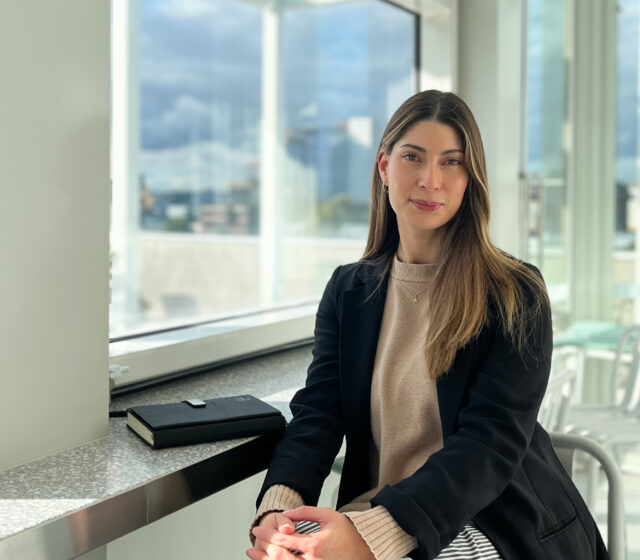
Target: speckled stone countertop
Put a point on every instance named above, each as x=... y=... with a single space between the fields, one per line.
x=38 y=492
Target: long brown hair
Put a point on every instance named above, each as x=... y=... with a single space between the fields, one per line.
x=472 y=272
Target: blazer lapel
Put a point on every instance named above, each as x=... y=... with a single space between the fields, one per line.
x=360 y=325
x=450 y=389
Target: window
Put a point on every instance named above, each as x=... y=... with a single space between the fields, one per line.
x=244 y=137
x=627 y=99
x=547 y=239
x=627 y=168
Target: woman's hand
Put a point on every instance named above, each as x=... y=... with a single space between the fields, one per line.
x=337 y=538
x=277 y=522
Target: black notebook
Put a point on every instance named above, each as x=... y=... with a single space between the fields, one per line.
x=194 y=421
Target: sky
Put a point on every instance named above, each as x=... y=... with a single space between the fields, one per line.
x=201 y=81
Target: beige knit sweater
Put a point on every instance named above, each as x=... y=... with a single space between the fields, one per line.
x=405 y=419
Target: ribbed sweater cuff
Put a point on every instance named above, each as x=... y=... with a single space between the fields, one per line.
x=383 y=535
x=277 y=498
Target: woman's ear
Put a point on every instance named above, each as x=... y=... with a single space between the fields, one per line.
x=383 y=163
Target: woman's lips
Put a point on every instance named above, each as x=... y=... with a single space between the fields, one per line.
x=426 y=206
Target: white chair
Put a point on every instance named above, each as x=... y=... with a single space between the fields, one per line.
x=565 y=446
x=616 y=426
x=552 y=415
x=622 y=388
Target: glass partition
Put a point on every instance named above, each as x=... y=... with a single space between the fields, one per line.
x=544 y=185
x=627 y=209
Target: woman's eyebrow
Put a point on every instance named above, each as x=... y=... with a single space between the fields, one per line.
x=418 y=148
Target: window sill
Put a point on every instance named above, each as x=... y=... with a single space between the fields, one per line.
x=180 y=351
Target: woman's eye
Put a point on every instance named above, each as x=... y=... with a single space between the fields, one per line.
x=410 y=157
x=453 y=161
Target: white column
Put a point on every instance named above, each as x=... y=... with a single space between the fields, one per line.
x=54 y=178
x=591 y=157
x=591 y=171
x=489 y=80
x=438 y=44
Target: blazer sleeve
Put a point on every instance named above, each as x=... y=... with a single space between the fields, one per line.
x=303 y=458
x=478 y=460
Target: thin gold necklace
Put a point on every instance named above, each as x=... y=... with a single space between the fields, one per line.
x=411 y=292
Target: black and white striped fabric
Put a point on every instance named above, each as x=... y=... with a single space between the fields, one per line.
x=470 y=544
x=307 y=527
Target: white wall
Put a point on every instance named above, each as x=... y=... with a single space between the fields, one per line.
x=216 y=528
x=439 y=45
x=54 y=181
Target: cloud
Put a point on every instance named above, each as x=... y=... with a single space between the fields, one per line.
x=189 y=9
x=208 y=165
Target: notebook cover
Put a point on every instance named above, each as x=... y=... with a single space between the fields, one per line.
x=222 y=418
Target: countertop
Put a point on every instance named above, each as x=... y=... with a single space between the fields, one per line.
x=56 y=503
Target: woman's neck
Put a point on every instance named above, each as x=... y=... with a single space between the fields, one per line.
x=420 y=250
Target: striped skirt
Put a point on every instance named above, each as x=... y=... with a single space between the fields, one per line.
x=470 y=544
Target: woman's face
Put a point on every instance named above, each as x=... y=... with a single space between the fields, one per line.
x=426 y=177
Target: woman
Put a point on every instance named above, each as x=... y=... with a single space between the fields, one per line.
x=431 y=356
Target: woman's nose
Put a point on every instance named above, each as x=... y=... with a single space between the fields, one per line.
x=430 y=178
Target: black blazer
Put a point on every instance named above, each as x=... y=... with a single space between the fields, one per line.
x=497 y=466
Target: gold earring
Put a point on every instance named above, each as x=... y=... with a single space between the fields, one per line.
x=385 y=187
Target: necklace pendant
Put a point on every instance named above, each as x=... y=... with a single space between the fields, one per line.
x=415 y=299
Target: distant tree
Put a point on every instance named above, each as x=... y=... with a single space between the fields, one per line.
x=177 y=224
x=342 y=209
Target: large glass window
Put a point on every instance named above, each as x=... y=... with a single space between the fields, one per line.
x=545 y=158
x=627 y=100
x=244 y=148
x=627 y=209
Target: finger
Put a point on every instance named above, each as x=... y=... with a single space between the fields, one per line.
x=279 y=553
x=294 y=542
x=261 y=545
x=284 y=524
x=310 y=513
x=273 y=553
x=256 y=554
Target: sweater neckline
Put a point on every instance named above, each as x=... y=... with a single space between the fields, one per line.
x=408 y=272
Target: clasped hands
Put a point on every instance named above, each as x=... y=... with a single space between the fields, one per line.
x=337 y=538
